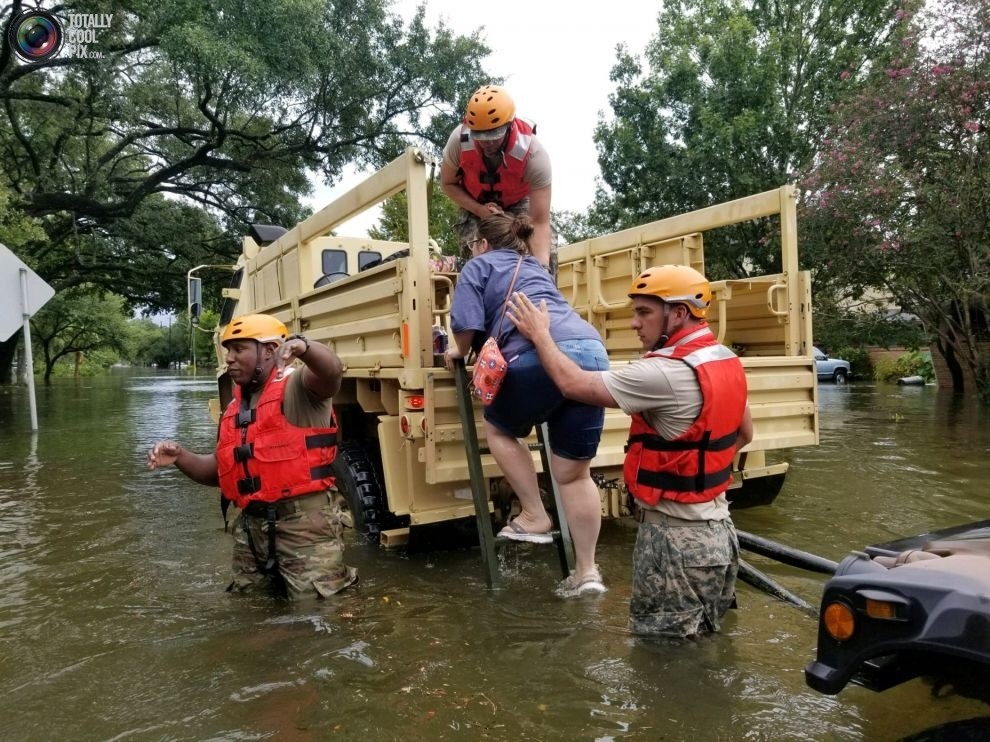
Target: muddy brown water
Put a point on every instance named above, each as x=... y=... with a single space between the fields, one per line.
x=114 y=623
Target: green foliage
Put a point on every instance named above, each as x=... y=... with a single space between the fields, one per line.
x=201 y=338
x=82 y=319
x=572 y=227
x=161 y=346
x=732 y=101
x=200 y=118
x=394 y=223
x=222 y=105
x=16 y=229
x=146 y=255
x=94 y=363
x=916 y=363
x=859 y=359
x=861 y=326
x=896 y=201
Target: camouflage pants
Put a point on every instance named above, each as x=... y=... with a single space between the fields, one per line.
x=684 y=578
x=309 y=547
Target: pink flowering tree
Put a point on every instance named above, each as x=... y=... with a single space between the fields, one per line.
x=898 y=199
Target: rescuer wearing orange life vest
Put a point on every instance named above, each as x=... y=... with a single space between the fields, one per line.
x=687 y=399
x=276 y=446
x=493 y=162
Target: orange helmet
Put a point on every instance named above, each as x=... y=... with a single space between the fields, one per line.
x=676 y=284
x=489 y=109
x=261 y=327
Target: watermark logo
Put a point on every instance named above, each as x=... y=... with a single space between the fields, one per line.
x=37 y=35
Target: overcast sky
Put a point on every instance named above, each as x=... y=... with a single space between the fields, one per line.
x=555 y=58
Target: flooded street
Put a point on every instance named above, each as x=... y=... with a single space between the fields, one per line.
x=114 y=623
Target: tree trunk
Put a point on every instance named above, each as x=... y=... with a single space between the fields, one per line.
x=8 y=349
x=956 y=375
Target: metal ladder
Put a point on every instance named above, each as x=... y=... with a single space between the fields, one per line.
x=486 y=537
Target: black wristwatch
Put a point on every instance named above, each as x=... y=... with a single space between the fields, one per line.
x=300 y=337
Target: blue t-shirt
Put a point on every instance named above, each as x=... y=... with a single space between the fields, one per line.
x=480 y=294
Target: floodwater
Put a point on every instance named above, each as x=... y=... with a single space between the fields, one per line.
x=114 y=623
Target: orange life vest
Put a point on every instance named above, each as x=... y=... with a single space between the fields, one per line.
x=696 y=466
x=261 y=457
x=504 y=185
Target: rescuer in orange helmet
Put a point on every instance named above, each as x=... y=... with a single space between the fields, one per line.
x=493 y=162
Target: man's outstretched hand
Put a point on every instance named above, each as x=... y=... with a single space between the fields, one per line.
x=531 y=321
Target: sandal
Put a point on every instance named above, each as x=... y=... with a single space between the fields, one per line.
x=590 y=584
x=515 y=532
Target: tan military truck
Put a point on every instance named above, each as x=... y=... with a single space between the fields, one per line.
x=402 y=460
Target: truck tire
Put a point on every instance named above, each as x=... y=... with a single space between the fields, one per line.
x=840 y=376
x=358 y=482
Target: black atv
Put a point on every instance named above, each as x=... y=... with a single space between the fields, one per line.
x=918 y=606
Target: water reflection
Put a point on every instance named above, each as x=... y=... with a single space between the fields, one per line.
x=114 y=623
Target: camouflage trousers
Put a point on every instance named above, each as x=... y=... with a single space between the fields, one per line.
x=309 y=548
x=684 y=578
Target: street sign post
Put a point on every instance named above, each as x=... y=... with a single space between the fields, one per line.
x=22 y=293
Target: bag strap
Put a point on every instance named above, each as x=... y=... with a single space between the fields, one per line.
x=505 y=305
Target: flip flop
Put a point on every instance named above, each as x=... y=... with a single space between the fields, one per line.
x=515 y=532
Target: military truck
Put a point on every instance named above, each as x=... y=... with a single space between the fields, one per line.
x=402 y=461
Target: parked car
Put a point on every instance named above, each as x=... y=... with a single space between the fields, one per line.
x=918 y=606
x=831 y=369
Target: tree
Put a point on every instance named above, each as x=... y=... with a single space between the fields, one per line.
x=733 y=102
x=145 y=256
x=16 y=229
x=217 y=105
x=394 y=223
x=202 y=100
x=573 y=226
x=78 y=320
x=899 y=195
x=161 y=346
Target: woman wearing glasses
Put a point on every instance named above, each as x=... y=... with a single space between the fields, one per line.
x=500 y=255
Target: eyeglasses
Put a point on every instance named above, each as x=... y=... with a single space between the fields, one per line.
x=469 y=245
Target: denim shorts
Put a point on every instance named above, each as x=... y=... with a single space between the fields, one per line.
x=529 y=397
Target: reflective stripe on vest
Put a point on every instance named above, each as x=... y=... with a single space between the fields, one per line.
x=503 y=185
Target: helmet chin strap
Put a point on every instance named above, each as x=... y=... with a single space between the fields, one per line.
x=257 y=378
x=664 y=336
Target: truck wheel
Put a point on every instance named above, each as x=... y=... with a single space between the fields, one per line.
x=363 y=496
x=840 y=376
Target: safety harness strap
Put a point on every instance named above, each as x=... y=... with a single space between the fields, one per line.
x=679 y=483
x=270 y=565
x=653 y=442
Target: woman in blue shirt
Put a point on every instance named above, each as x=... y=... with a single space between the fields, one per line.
x=528 y=397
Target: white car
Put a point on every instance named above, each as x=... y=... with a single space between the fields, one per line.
x=831 y=369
